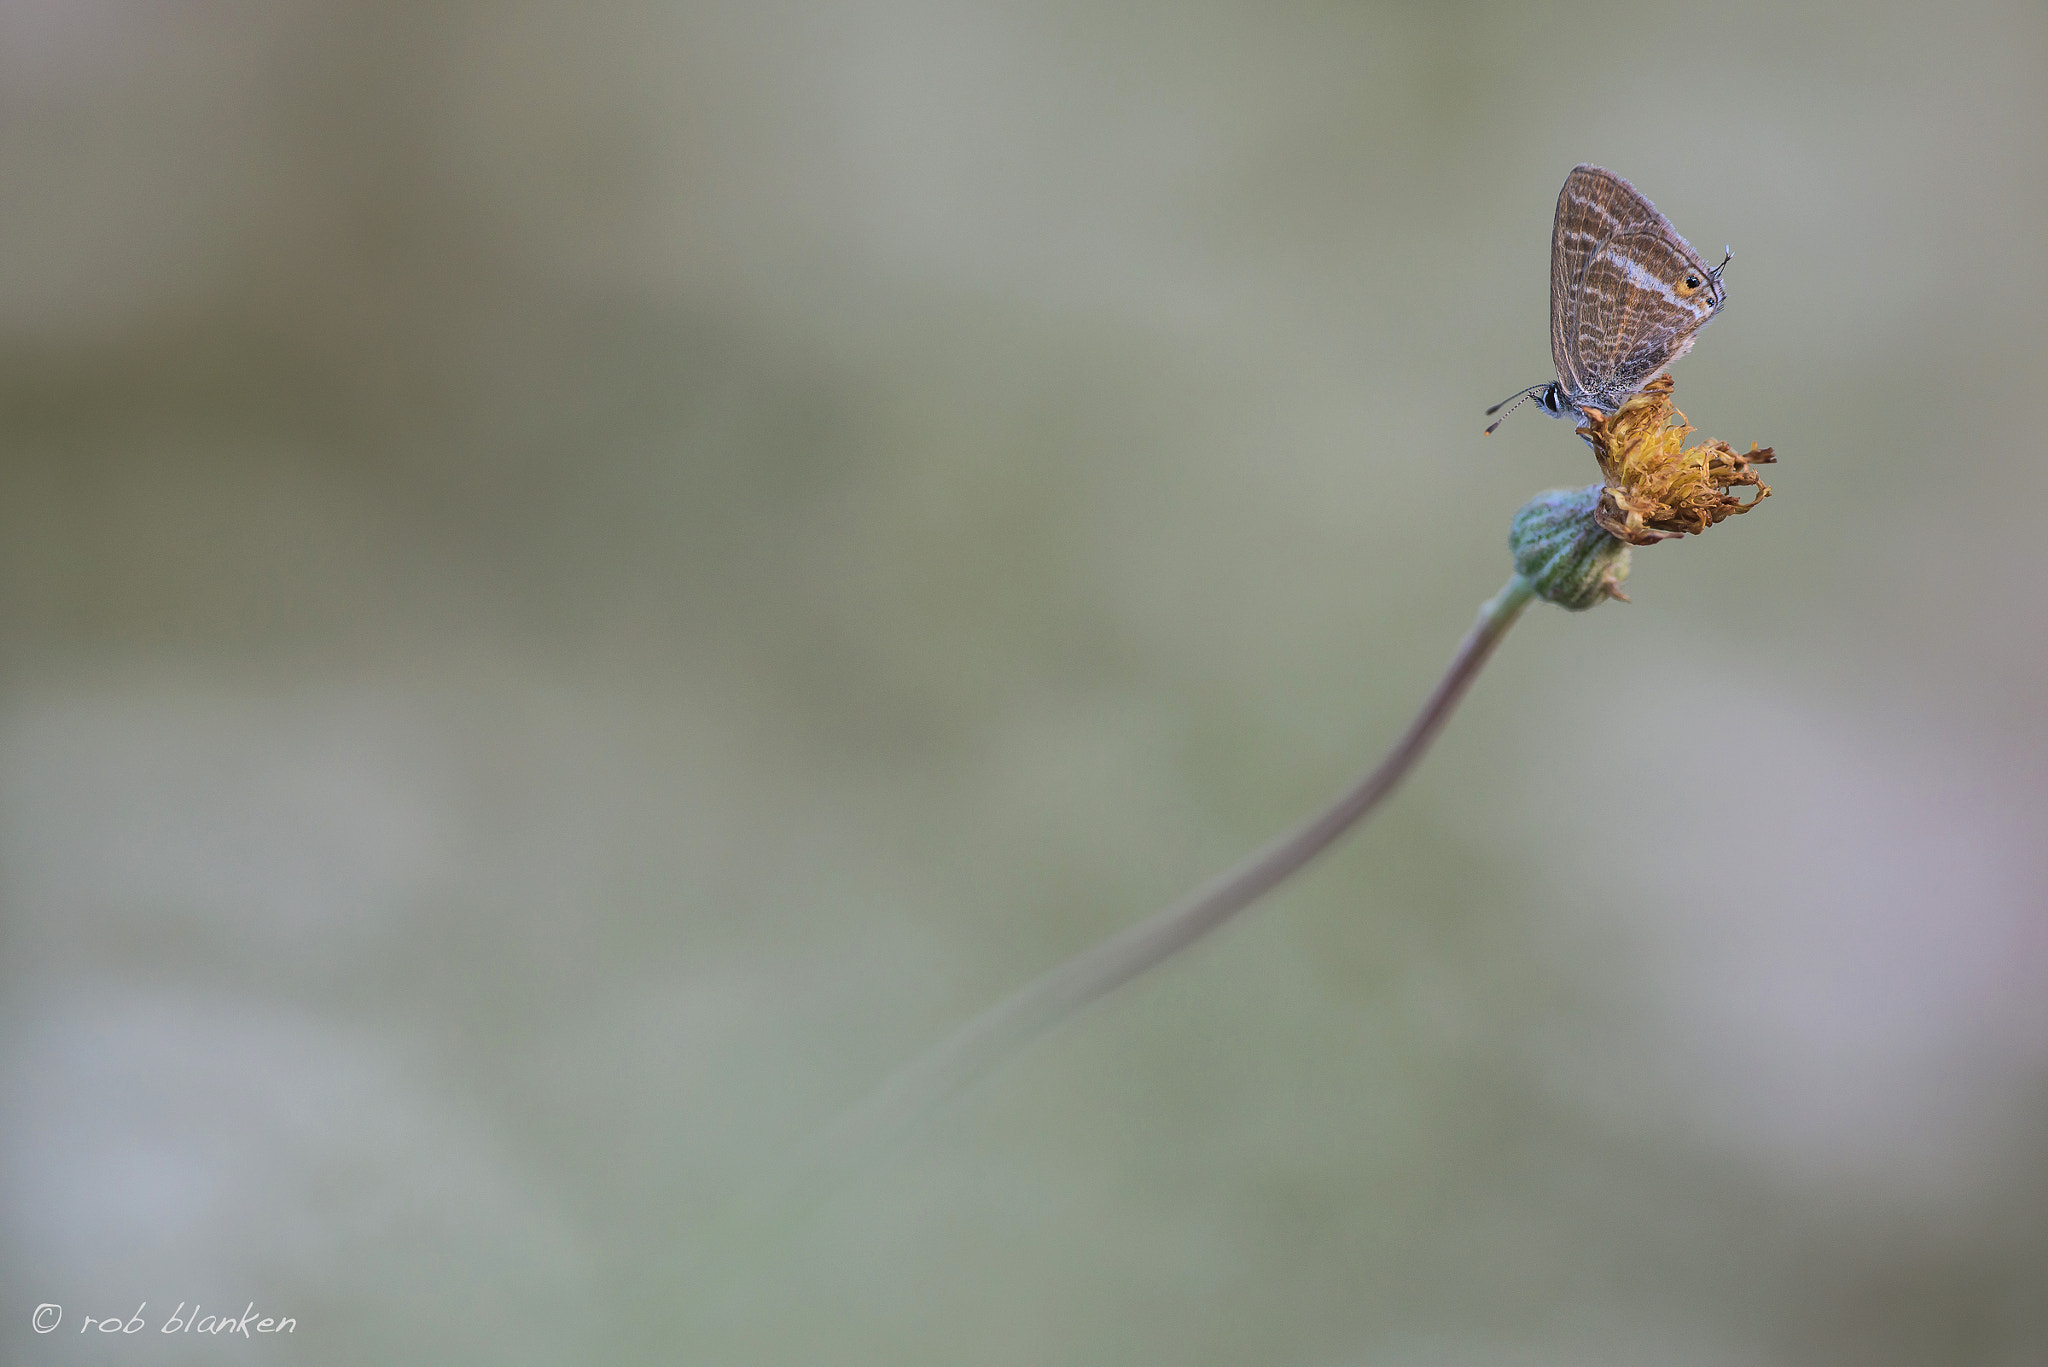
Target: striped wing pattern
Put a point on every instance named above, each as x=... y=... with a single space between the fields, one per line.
x=1618 y=311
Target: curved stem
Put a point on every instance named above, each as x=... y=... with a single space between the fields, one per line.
x=971 y=1050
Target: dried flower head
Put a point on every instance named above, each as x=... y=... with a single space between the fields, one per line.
x=1656 y=489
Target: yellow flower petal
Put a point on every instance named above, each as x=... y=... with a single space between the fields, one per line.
x=1656 y=488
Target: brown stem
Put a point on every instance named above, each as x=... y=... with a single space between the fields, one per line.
x=978 y=1045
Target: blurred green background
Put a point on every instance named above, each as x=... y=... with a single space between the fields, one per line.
x=579 y=581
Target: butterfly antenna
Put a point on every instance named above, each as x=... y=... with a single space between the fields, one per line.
x=1727 y=255
x=1511 y=403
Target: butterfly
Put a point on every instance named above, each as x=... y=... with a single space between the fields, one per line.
x=1627 y=296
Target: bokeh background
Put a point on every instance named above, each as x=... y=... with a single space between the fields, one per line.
x=579 y=581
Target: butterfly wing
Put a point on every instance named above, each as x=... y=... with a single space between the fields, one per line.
x=1619 y=308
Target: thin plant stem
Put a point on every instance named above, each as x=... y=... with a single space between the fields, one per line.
x=954 y=1062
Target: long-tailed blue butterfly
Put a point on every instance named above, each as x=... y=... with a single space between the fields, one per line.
x=1627 y=296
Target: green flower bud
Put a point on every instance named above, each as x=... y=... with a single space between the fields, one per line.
x=1566 y=556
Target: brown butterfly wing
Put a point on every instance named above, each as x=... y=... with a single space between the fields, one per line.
x=1633 y=320
x=1617 y=312
x=1591 y=208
